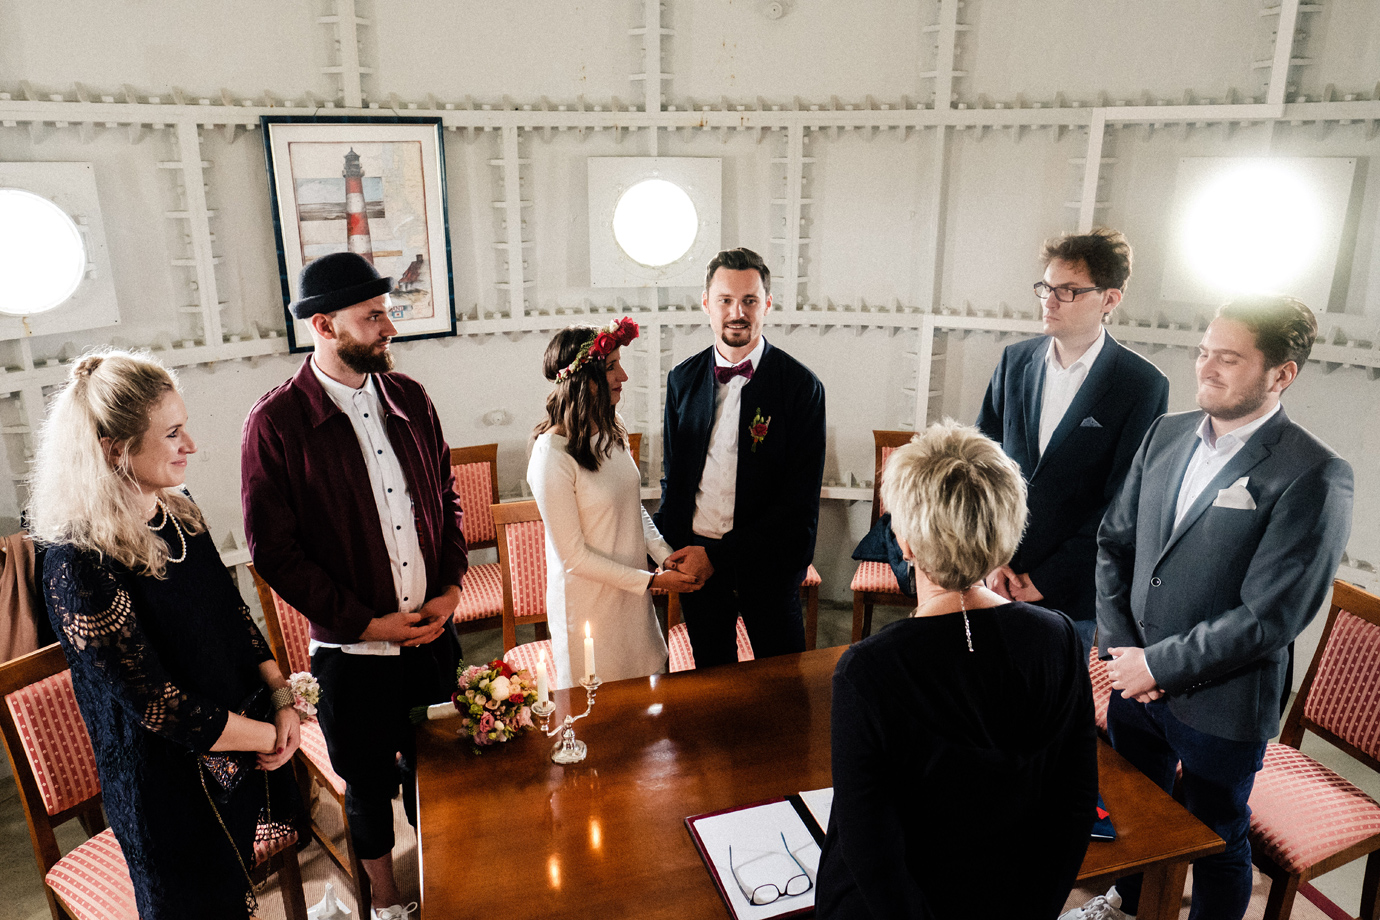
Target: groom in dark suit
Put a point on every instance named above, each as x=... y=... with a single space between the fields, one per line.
x=1071 y=408
x=743 y=458
x=1217 y=552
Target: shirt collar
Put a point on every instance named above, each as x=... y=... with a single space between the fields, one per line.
x=1232 y=438
x=754 y=356
x=1085 y=360
x=339 y=393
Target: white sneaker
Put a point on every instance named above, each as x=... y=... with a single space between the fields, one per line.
x=396 y=912
x=1102 y=907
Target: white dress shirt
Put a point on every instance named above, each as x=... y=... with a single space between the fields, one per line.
x=719 y=482
x=1061 y=386
x=364 y=409
x=1211 y=455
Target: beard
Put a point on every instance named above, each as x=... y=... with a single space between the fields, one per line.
x=735 y=336
x=361 y=358
x=1247 y=403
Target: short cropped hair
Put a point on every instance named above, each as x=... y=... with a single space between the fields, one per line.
x=1284 y=328
x=1105 y=252
x=739 y=260
x=957 y=500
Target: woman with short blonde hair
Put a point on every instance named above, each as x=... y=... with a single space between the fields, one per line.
x=191 y=720
x=966 y=728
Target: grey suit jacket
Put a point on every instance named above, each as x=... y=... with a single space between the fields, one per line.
x=1216 y=601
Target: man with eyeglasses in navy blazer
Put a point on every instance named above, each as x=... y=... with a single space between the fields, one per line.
x=743 y=461
x=1071 y=407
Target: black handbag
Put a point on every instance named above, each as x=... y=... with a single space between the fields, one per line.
x=227 y=769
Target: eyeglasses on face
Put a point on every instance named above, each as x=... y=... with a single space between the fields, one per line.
x=1063 y=295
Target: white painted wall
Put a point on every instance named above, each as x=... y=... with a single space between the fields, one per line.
x=878 y=196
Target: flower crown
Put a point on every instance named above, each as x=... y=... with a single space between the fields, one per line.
x=600 y=345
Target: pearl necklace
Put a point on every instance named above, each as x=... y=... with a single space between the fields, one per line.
x=182 y=538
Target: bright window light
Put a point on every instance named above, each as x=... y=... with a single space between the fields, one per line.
x=1256 y=228
x=655 y=222
x=42 y=256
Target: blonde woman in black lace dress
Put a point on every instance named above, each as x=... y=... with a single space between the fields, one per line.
x=162 y=649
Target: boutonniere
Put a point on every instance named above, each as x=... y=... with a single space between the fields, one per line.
x=758 y=429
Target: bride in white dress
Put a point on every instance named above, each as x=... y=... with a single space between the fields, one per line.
x=598 y=535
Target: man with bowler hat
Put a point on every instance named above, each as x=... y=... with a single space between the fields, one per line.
x=352 y=517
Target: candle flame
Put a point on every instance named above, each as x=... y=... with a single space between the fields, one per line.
x=586 y=629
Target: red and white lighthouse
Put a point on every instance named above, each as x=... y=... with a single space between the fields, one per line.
x=356 y=211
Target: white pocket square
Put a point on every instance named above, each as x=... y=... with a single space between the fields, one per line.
x=1090 y=422
x=1236 y=496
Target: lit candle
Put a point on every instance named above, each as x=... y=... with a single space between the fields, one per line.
x=589 y=653
x=541 y=680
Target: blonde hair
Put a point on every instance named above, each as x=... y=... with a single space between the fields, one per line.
x=76 y=496
x=957 y=500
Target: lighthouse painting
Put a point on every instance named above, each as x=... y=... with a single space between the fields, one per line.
x=374 y=191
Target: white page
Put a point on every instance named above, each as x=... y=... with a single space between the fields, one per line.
x=820 y=802
x=755 y=836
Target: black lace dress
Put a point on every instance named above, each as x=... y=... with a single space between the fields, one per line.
x=157 y=665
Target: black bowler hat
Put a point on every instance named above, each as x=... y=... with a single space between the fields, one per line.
x=336 y=281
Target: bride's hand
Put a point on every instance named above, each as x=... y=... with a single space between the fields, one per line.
x=671 y=580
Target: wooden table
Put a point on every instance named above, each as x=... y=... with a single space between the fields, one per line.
x=510 y=833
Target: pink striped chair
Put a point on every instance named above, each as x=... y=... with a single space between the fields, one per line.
x=522 y=565
x=683 y=655
x=476 y=482
x=289 y=636
x=1307 y=819
x=55 y=769
x=1102 y=690
x=529 y=656
x=874 y=582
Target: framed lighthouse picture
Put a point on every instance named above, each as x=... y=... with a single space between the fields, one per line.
x=375 y=186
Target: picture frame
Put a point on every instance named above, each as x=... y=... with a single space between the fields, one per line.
x=373 y=185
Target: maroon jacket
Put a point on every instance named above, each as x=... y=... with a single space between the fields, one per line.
x=309 y=512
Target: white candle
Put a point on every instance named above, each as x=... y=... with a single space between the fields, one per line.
x=589 y=653
x=541 y=680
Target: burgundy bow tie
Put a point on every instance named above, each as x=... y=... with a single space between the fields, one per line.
x=725 y=374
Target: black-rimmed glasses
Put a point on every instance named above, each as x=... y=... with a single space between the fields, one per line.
x=765 y=894
x=1063 y=295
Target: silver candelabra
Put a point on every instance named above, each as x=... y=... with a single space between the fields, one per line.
x=568 y=749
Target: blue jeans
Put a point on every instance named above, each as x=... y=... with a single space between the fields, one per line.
x=1217 y=781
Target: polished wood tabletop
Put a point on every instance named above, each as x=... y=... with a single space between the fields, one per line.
x=607 y=838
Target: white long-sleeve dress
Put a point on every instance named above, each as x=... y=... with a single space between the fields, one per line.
x=598 y=538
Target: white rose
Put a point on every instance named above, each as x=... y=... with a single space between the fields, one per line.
x=500 y=689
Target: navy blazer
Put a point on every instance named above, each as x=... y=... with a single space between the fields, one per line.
x=1072 y=483
x=776 y=505
x=1216 y=600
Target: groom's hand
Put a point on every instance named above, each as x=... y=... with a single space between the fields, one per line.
x=691 y=560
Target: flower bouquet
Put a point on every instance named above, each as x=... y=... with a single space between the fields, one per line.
x=493 y=701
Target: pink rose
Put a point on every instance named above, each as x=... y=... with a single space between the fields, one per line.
x=486 y=723
x=524 y=717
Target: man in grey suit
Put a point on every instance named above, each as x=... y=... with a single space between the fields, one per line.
x=1217 y=552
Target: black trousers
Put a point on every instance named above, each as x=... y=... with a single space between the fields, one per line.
x=767 y=600
x=365 y=700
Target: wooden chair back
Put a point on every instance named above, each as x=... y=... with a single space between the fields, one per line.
x=289 y=632
x=883 y=443
x=476 y=482
x=49 y=749
x=522 y=562
x=1339 y=699
x=635 y=446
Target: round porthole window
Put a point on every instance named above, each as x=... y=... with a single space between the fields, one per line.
x=42 y=255
x=655 y=222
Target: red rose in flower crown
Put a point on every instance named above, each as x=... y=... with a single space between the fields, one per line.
x=604 y=344
x=600 y=345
